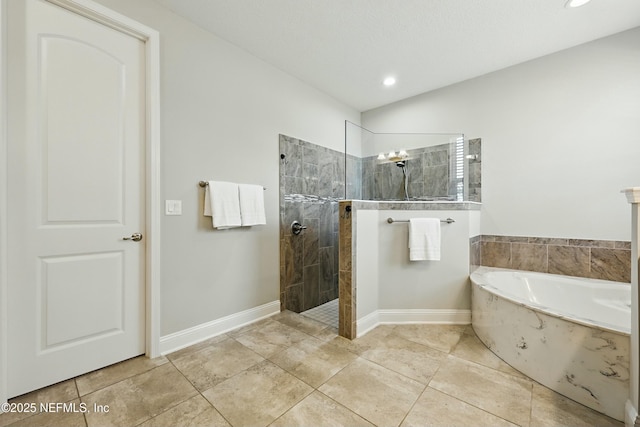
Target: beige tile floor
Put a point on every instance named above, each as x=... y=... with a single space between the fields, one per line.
x=290 y=370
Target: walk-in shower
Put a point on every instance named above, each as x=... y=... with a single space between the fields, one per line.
x=311 y=183
x=374 y=166
x=411 y=166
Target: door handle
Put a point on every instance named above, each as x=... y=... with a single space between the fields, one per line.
x=136 y=237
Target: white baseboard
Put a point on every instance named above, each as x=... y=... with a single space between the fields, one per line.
x=630 y=414
x=185 y=338
x=441 y=317
x=446 y=317
x=367 y=323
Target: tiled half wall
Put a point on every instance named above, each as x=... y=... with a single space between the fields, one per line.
x=311 y=183
x=595 y=259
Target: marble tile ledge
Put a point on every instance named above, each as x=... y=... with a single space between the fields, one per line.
x=442 y=205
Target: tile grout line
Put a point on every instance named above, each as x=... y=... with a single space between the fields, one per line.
x=119 y=381
x=531 y=404
x=84 y=415
x=476 y=407
x=264 y=359
x=196 y=388
x=498 y=371
x=284 y=370
x=450 y=353
x=199 y=393
x=439 y=369
x=314 y=389
x=347 y=408
x=413 y=405
x=172 y=406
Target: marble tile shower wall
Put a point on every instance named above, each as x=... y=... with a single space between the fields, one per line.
x=427 y=169
x=596 y=259
x=312 y=180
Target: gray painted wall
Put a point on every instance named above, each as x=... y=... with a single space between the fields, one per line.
x=222 y=110
x=559 y=138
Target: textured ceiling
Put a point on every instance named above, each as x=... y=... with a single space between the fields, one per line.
x=346 y=47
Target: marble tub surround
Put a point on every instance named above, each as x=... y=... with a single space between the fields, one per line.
x=595 y=259
x=404 y=375
x=600 y=304
x=312 y=180
x=587 y=364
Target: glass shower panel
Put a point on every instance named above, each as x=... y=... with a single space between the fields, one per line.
x=405 y=166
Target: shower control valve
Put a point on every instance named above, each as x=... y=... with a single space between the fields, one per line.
x=296 y=227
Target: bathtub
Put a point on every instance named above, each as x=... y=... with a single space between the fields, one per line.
x=569 y=334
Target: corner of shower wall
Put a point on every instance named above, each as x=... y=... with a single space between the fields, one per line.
x=346 y=304
x=312 y=180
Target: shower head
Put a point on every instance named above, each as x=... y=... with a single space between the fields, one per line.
x=400 y=164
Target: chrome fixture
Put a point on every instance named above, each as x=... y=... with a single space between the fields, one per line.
x=296 y=228
x=136 y=237
x=391 y=220
x=400 y=159
x=206 y=184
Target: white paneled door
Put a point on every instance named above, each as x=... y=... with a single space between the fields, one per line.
x=76 y=141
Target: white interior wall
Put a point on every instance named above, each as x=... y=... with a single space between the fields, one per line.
x=222 y=111
x=559 y=138
x=436 y=285
x=367 y=262
x=390 y=288
x=383 y=143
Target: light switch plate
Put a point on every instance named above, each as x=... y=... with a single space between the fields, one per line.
x=173 y=207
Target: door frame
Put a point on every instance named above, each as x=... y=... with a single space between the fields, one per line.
x=151 y=39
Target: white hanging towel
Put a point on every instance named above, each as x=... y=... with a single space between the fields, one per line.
x=424 y=239
x=252 y=205
x=222 y=203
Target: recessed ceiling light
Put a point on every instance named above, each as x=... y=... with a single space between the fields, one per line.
x=576 y=3
x=389 y=81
